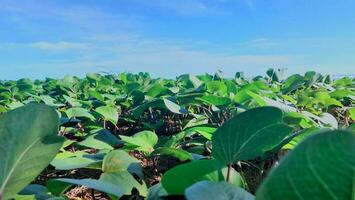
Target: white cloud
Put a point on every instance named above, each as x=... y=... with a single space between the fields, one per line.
x=164 y=58
x=58 y=45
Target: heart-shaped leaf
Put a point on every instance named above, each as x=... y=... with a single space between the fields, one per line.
x=143 y=141
x=249 y=134
x=120 y=161
x=321 y=167
x=108 y=113
x=28 y=142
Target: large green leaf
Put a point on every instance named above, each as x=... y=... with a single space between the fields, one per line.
x=249 y=134
x=177 y=179
x=102 y=139
x=180 y=154
x=125 y=181
x=96 y=185
x=214 y=100
x=120 y=161
x=173 y=107
x=143 y=141
x=28 y=142
x=217 y=87
x=79 y=159
x=207 y=190
x=79 y=112
x=37 y=192
x=321 y=167
x=156 y=90
x=108 y=113
x=117 y=167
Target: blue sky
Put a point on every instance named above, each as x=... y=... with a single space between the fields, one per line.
x=41 y=38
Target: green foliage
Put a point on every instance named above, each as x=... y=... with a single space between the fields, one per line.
x=132 y=136
x=28 y=142
x=210 y=191
x=321 y=167
x=249 y=134
x=176 y=180
x=142 y=141
x=108 y=113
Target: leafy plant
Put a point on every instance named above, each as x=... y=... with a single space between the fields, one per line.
x=304 y=173
x=249 y=134
x=131 y=136
x=28 y=142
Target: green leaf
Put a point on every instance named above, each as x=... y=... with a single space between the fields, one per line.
x=215 y=100
x=321 y=167
x=57 y=188
x=39 y=192
x=96 y=185
x=109 y=113
x=173 y=107
x=217 y=87
x=79 y=159
x=24 y=134
x=177 y=179
x=180 y=154
x=79 y=112
x=249 y=134
x=329 y=120
x=300 y=137
x=121 y=161
x=351 y=113
x=195 y=81
x=206 y=190
x=265 y=101
x=205 y=131
x=156 y=90
x=103 y=139
x=156 y=192
x=125 y=181
x=143 y=141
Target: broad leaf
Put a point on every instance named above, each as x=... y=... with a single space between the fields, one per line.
x=143 y=141
x=103 y=139
x=125 y=181
x=173 y=107
x=206 y=190
x=215 y=100
x=79 y=159
x=108 y=113
x=79 y=112
x=249 y=134
x=177 y=179
x=321 y=167
x=121 y=161
x=24 y=134
x=96 y=185
x=180 y=154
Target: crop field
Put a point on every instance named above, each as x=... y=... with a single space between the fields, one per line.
x=197 y=137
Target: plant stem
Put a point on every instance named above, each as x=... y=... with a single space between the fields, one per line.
x=229 y=172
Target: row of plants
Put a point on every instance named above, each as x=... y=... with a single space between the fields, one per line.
x=129 y=136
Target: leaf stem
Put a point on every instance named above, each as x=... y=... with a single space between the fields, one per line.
x=229 y=172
